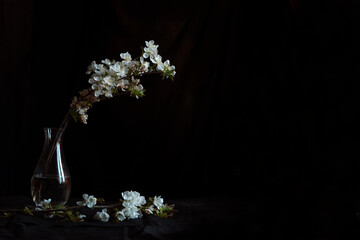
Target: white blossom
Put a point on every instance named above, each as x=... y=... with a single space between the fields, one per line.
x=146 y=55
x=150 y=44
x=122 y=83
x=166 y=68
x=126 y=56
x=89 y=201
x=100 y=69
x=82 y=216
x=44 y=204
x=119 y=69
x=160 y=66
x=132 y=198
x=120 y=215
x=82 y=113
x=156 y=59
x=150 y=210
x=158 y=202
x=150 y=49
x=131 y=212
x=92 y=67
x=144 y=65
x=102 y=216
x=98 y=90
x=169 y=67
x=106 y=61
x=108 y=81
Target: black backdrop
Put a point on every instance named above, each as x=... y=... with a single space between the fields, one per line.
x=265 y=102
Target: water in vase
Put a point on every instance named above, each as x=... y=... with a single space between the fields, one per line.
x=56 y=188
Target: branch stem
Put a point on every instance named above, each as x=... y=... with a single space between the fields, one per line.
x=60 y=209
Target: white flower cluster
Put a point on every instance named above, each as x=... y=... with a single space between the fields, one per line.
x=82 y=104
x=89 y=201
x=132 y=202
x=158 y=203
x=102 y=216
x=151 y=52
x=111 y=77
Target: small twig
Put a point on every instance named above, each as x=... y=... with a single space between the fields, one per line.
x=108 y=206
x=60 y=209
x=11 y=210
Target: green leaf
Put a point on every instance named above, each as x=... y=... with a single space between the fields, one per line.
x=75 y=116
x=28 y=211
x=7 y=215
x=138 y=93
x=59 y=207
x=70 y=216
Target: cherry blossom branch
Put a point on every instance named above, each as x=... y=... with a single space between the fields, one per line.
x=130 y=207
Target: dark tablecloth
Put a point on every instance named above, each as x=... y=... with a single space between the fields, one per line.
x=211 y=218
x=205 y=218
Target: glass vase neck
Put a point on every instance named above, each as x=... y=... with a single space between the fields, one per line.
x=51 y=134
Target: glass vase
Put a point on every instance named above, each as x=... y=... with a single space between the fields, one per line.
x=51 y=178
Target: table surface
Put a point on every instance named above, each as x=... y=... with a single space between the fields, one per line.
x=202 y=218
x=206 y=218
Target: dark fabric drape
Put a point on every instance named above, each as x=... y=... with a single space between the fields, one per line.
x=264 y=103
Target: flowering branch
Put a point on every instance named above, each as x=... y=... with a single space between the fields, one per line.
x=113 y=78
x=132 y=206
